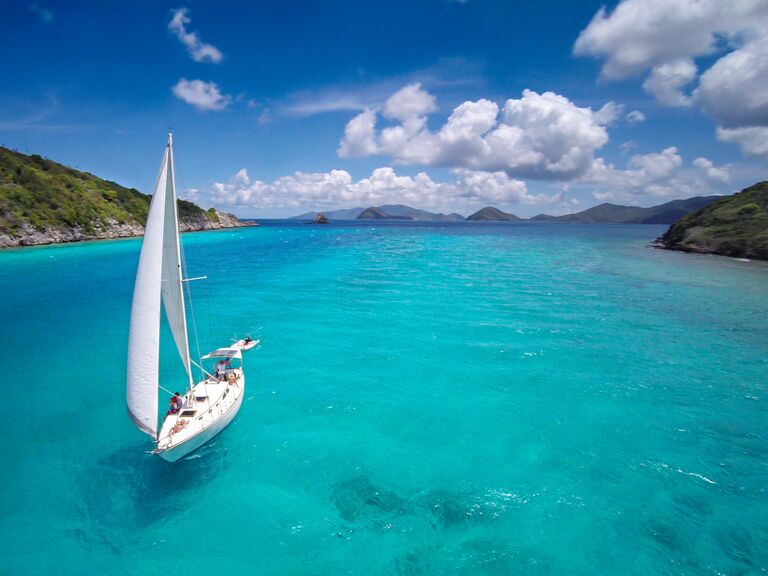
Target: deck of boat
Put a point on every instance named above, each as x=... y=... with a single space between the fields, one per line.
x=212 y=400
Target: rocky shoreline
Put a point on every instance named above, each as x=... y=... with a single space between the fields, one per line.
x=30 y=236
x=711 y=250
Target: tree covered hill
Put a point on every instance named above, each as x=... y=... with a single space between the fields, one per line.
x=733 y=226
x=42 y=201
x=493 y=214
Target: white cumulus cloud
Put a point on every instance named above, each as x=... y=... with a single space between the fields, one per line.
x=359 y=136
x=670 y=39
x=734 y=90
x=666 y=81
x=409 y=102
x=658 y=174
x=199 y=50
x=328 y=190
x=609 y=113
x=543 y=136
x=201 y=95
x=635 y=116
x=641 y=34
x=708 y=168
x=752 y=139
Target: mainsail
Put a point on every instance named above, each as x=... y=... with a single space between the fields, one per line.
x=159 y=273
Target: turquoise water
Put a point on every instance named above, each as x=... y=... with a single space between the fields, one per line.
x=427 y=399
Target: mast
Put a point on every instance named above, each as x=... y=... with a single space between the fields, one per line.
x=173 y=273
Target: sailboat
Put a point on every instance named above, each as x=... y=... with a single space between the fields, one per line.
x=207 y=406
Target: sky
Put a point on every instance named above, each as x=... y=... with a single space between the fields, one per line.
x=280 y=107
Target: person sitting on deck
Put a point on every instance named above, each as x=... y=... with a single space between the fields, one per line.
x=221 y=370
x=176 y=403
x=247 y=340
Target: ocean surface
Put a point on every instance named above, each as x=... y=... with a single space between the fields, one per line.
x=426 y=399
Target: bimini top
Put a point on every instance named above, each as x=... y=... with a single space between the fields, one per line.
x=224 y=353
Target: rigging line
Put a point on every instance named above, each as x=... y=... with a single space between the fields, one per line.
x=203 y=377
x=207 y=293
x=194 y=321
x=165 y=390
x=203 y=370
x=199 y=356
x=194 y=330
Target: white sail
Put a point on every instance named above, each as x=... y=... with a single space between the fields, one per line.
x=173 y=295
x=159 y=283
x=144 y=336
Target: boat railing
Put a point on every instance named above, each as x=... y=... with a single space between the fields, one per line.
x=217 y=409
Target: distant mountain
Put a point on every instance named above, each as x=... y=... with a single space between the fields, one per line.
x=602 y=214
x=617 y=214
x=733 y=226
x=491 y=214
x=416 y=214
x=44 y=202
x=343 y=214
x=375 y=213
x=396 y=210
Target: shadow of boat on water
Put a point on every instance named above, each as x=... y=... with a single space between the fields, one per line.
x=131 y=490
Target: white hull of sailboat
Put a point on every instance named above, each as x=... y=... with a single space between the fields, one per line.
x=204 y=427
x=187 y=447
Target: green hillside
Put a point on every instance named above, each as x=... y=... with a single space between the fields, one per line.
x=608 y=213
x=492 y=214
x=376 y=213
x=48 y=195
x=734 y=226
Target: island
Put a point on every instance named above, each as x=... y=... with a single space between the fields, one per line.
x=44 y=202
x=492 y=214
x=732 y=226
x=389 y=212
x=320 y=218
x=606 y=213
x=376 y=213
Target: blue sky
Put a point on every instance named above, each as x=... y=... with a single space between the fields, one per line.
x=281 y=107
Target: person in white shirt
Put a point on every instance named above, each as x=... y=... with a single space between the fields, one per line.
x=221 y=369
